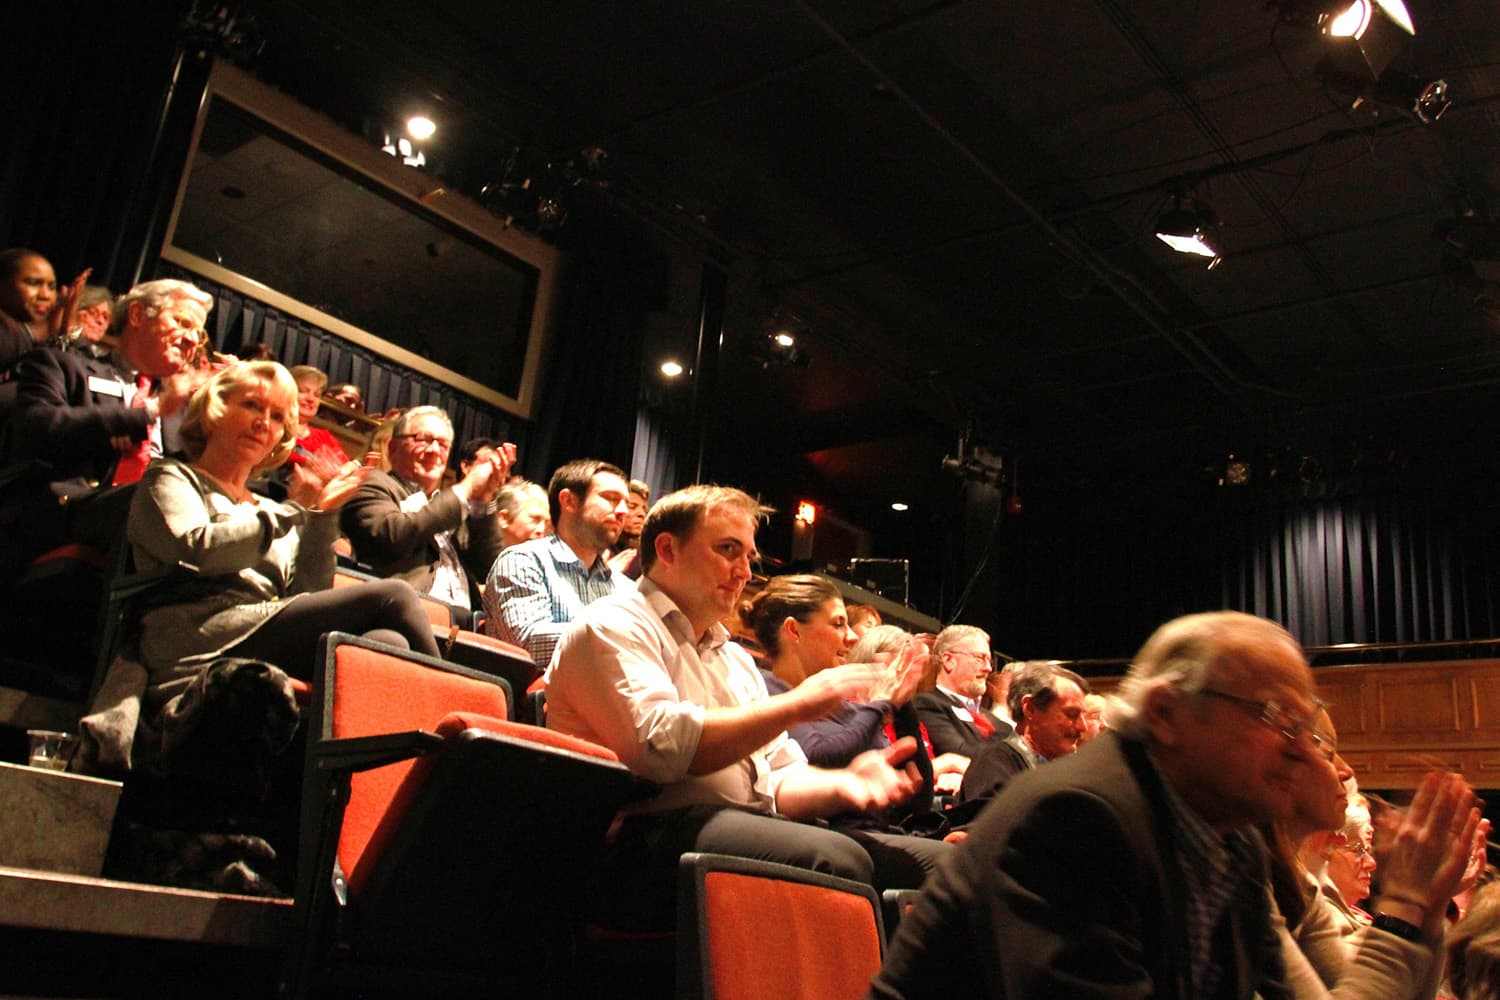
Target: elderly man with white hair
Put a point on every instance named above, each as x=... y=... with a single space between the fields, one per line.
x=88 y=423
x=1130 y=868
x=406 y=524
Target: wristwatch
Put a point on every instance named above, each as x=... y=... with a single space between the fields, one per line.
x=1397 y=926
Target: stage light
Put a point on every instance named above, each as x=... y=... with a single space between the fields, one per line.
x=900 y=507
x=1424 y=98
x=671 y=369
x=1190 y=227
x=785 y=339
x=807 y=512
x=420 y=127
x=1367 y=36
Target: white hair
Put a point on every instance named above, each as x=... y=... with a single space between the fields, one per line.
x=157 y=295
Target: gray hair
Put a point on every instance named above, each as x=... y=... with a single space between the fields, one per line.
x=955 y=634
x=880 y=639
x=1038 y=679
x=1184 y=655
x=512 y=495
x=156 y=296
x=404 y=421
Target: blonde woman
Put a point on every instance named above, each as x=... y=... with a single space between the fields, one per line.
x=264 y=567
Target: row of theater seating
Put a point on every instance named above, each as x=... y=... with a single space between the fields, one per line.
x=446 y=847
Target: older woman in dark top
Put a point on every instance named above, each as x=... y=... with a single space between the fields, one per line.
x=264 y=566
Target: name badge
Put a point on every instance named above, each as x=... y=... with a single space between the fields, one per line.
x=106 y=387
x=963 y=713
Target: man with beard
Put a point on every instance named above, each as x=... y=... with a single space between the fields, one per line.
x=536 y=588
x=956 y=721
x=402 y=524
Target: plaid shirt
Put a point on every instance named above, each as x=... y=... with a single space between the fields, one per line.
x=538 y=587
x=1213 y=871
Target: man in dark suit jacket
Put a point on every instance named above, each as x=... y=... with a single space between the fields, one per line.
x=441 y=541
x=1131 y=869
x=955 y=720
x=1047 y=703
x=73 y=418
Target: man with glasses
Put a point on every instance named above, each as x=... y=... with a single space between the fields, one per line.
x=1131 y=868
x=85 y=424
x=405 y=524
x=956 y=720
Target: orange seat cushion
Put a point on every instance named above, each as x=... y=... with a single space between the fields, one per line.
x=376 y=693
x=786 y=940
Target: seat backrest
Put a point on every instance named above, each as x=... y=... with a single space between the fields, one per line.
x=370 y=691
x=754 y=929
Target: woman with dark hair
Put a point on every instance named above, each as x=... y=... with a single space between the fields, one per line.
x=33 y=310
x=801 y=624
x=264 y=566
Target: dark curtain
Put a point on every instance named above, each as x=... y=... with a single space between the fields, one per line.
x=239 y=322
x=593 y=366
x=89 y=152
x=1363 y=569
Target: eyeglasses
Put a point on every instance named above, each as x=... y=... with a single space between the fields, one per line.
x=981 y=657
x=1274 y=715
x=1358 y=850
x=424 y=440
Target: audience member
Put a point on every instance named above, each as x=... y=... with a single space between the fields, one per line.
x=862 y=618
x=33 y=311
x=626 y=559
x=1394 y=959
x=1047 y=703
x=523 y=512
x=1093 y=717
x=882 y=644
x=1349 y=865
x=1474 y=949
x=1130 y=869
x=264 y=566
x=87 y=424
x=997 y=691
x=347 y=394
x=536 y=588
x=96 y=309
x=954 y=718
x=404 y=524
x=312 y=442
x=800 y=622
x=650 y=674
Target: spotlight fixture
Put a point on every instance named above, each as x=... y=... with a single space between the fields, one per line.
x=777 y=346
x=900 y=507
x=404 y=150
x=1425 y=99
x=1190 y=226
x=671 y=369
x=807 y=512
x=420 y=127
x=1367 y=36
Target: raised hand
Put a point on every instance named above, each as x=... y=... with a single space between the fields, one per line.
x=825 y=690
x=1421 y=852
x=905 y=674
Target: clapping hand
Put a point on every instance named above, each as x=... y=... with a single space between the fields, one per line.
x=322 y=484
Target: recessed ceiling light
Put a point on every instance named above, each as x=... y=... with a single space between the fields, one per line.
x=785 y=339
x=420 y=127
x=898 y=505
x=671 y=369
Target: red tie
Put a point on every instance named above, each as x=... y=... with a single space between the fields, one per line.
x=132 y=465
x=985 y=727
